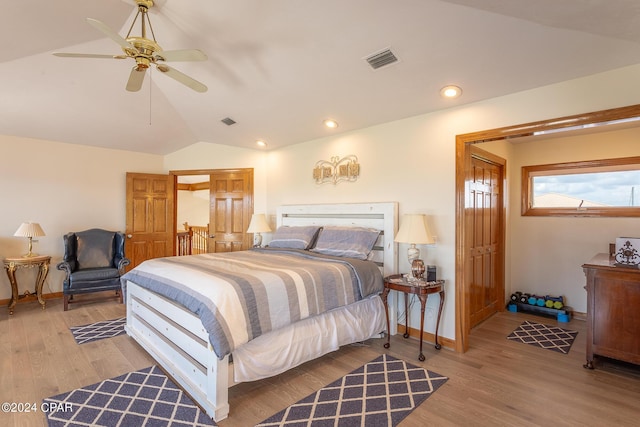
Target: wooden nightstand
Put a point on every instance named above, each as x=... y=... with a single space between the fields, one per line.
x=420 y=288
x=12 y=264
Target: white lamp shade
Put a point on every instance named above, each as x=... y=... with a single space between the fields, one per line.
x=414 y=229
x=258 y=224
x=29 y=229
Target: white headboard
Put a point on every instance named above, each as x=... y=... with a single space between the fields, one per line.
x=381 y=216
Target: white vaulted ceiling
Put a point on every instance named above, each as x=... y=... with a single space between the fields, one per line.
x=279 y=67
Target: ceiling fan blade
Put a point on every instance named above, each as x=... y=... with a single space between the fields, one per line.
x=182 y=55
x=102 y=27
x=136 y=78
x=182 y=78
x=86 y=55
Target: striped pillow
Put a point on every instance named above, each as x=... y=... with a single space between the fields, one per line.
x=350 y=242
x=294 y=237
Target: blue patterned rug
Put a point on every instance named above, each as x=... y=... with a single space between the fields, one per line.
x=142 y=398
x=381 y=393
x=99 y=330
x=544 y=336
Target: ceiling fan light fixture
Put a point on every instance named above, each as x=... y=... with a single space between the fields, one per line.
x=145 y=51
x=451 y=91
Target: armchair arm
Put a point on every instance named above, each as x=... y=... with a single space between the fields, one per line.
x=67 y=267
x=121 y=263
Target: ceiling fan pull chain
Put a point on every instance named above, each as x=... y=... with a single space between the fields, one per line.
x=150 y=89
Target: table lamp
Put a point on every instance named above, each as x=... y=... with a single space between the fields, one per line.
x=414 y=230
x=30 y=230
x=258 y=225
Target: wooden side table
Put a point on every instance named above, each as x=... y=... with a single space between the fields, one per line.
x=13 y=264
x=422 y=289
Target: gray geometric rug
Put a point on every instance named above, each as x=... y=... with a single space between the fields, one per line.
x=98 y=330
x=544 y=336
x=142 y=398
x=381 y=393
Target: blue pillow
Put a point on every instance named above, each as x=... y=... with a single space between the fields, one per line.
x=350 y=242
x=294 y=237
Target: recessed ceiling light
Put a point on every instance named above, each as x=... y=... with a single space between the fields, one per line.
x=450 y=91
x=330 y=123
x=261 y=143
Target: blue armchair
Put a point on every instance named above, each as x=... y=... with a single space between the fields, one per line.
x=93 y=261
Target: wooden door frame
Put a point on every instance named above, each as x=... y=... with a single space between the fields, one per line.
x=463 y=163
x=176 y=173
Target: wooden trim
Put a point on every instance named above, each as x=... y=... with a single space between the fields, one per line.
x=427 y=337
x=193 y=187
x=208 y=171
x=32 y=297
x=528 y=129
x=463 y=160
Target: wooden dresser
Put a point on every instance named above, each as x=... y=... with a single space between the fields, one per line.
x=613 y=310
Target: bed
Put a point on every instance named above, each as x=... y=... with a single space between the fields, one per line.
x=207 y=344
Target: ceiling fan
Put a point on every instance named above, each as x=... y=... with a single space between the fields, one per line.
x=145 y=52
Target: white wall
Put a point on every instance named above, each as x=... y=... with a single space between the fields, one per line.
x=408 y=161
x=412 y=161
x=548 y=252
x=192 y=207
x=65 y=188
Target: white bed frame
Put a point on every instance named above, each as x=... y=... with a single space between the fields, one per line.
x=176 y=338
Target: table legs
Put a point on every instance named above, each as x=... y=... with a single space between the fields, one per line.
x=438 y=346
x=406 y=316
x=43 y=271
x=11 y=273
x=384 y=295
x=423 y=303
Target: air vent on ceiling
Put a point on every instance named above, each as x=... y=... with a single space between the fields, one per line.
x=382 y=58
x=228 y=121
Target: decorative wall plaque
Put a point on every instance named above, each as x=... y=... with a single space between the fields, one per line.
x=336 y=170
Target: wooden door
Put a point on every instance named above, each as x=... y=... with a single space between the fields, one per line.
x=231 y=196
x=150 y=212
x=485 y=222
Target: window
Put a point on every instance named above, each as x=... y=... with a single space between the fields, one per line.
x=608 y=187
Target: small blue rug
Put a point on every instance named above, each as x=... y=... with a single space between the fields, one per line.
x=142 y=398
x=99 y=330
x=381 y=393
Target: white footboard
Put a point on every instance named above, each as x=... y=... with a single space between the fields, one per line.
x=177 y=340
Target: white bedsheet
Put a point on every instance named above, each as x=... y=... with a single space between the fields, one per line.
x=278 y=351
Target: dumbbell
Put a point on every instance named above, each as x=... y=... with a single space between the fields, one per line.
x=536 y=300
x=515 y=297
x=556 y=302
x=524 y=298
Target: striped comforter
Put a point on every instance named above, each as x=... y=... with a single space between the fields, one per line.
x=242 y=295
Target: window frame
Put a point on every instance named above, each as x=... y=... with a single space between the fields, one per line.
x=528 y=172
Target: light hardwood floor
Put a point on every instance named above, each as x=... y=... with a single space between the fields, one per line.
x=496 y=383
